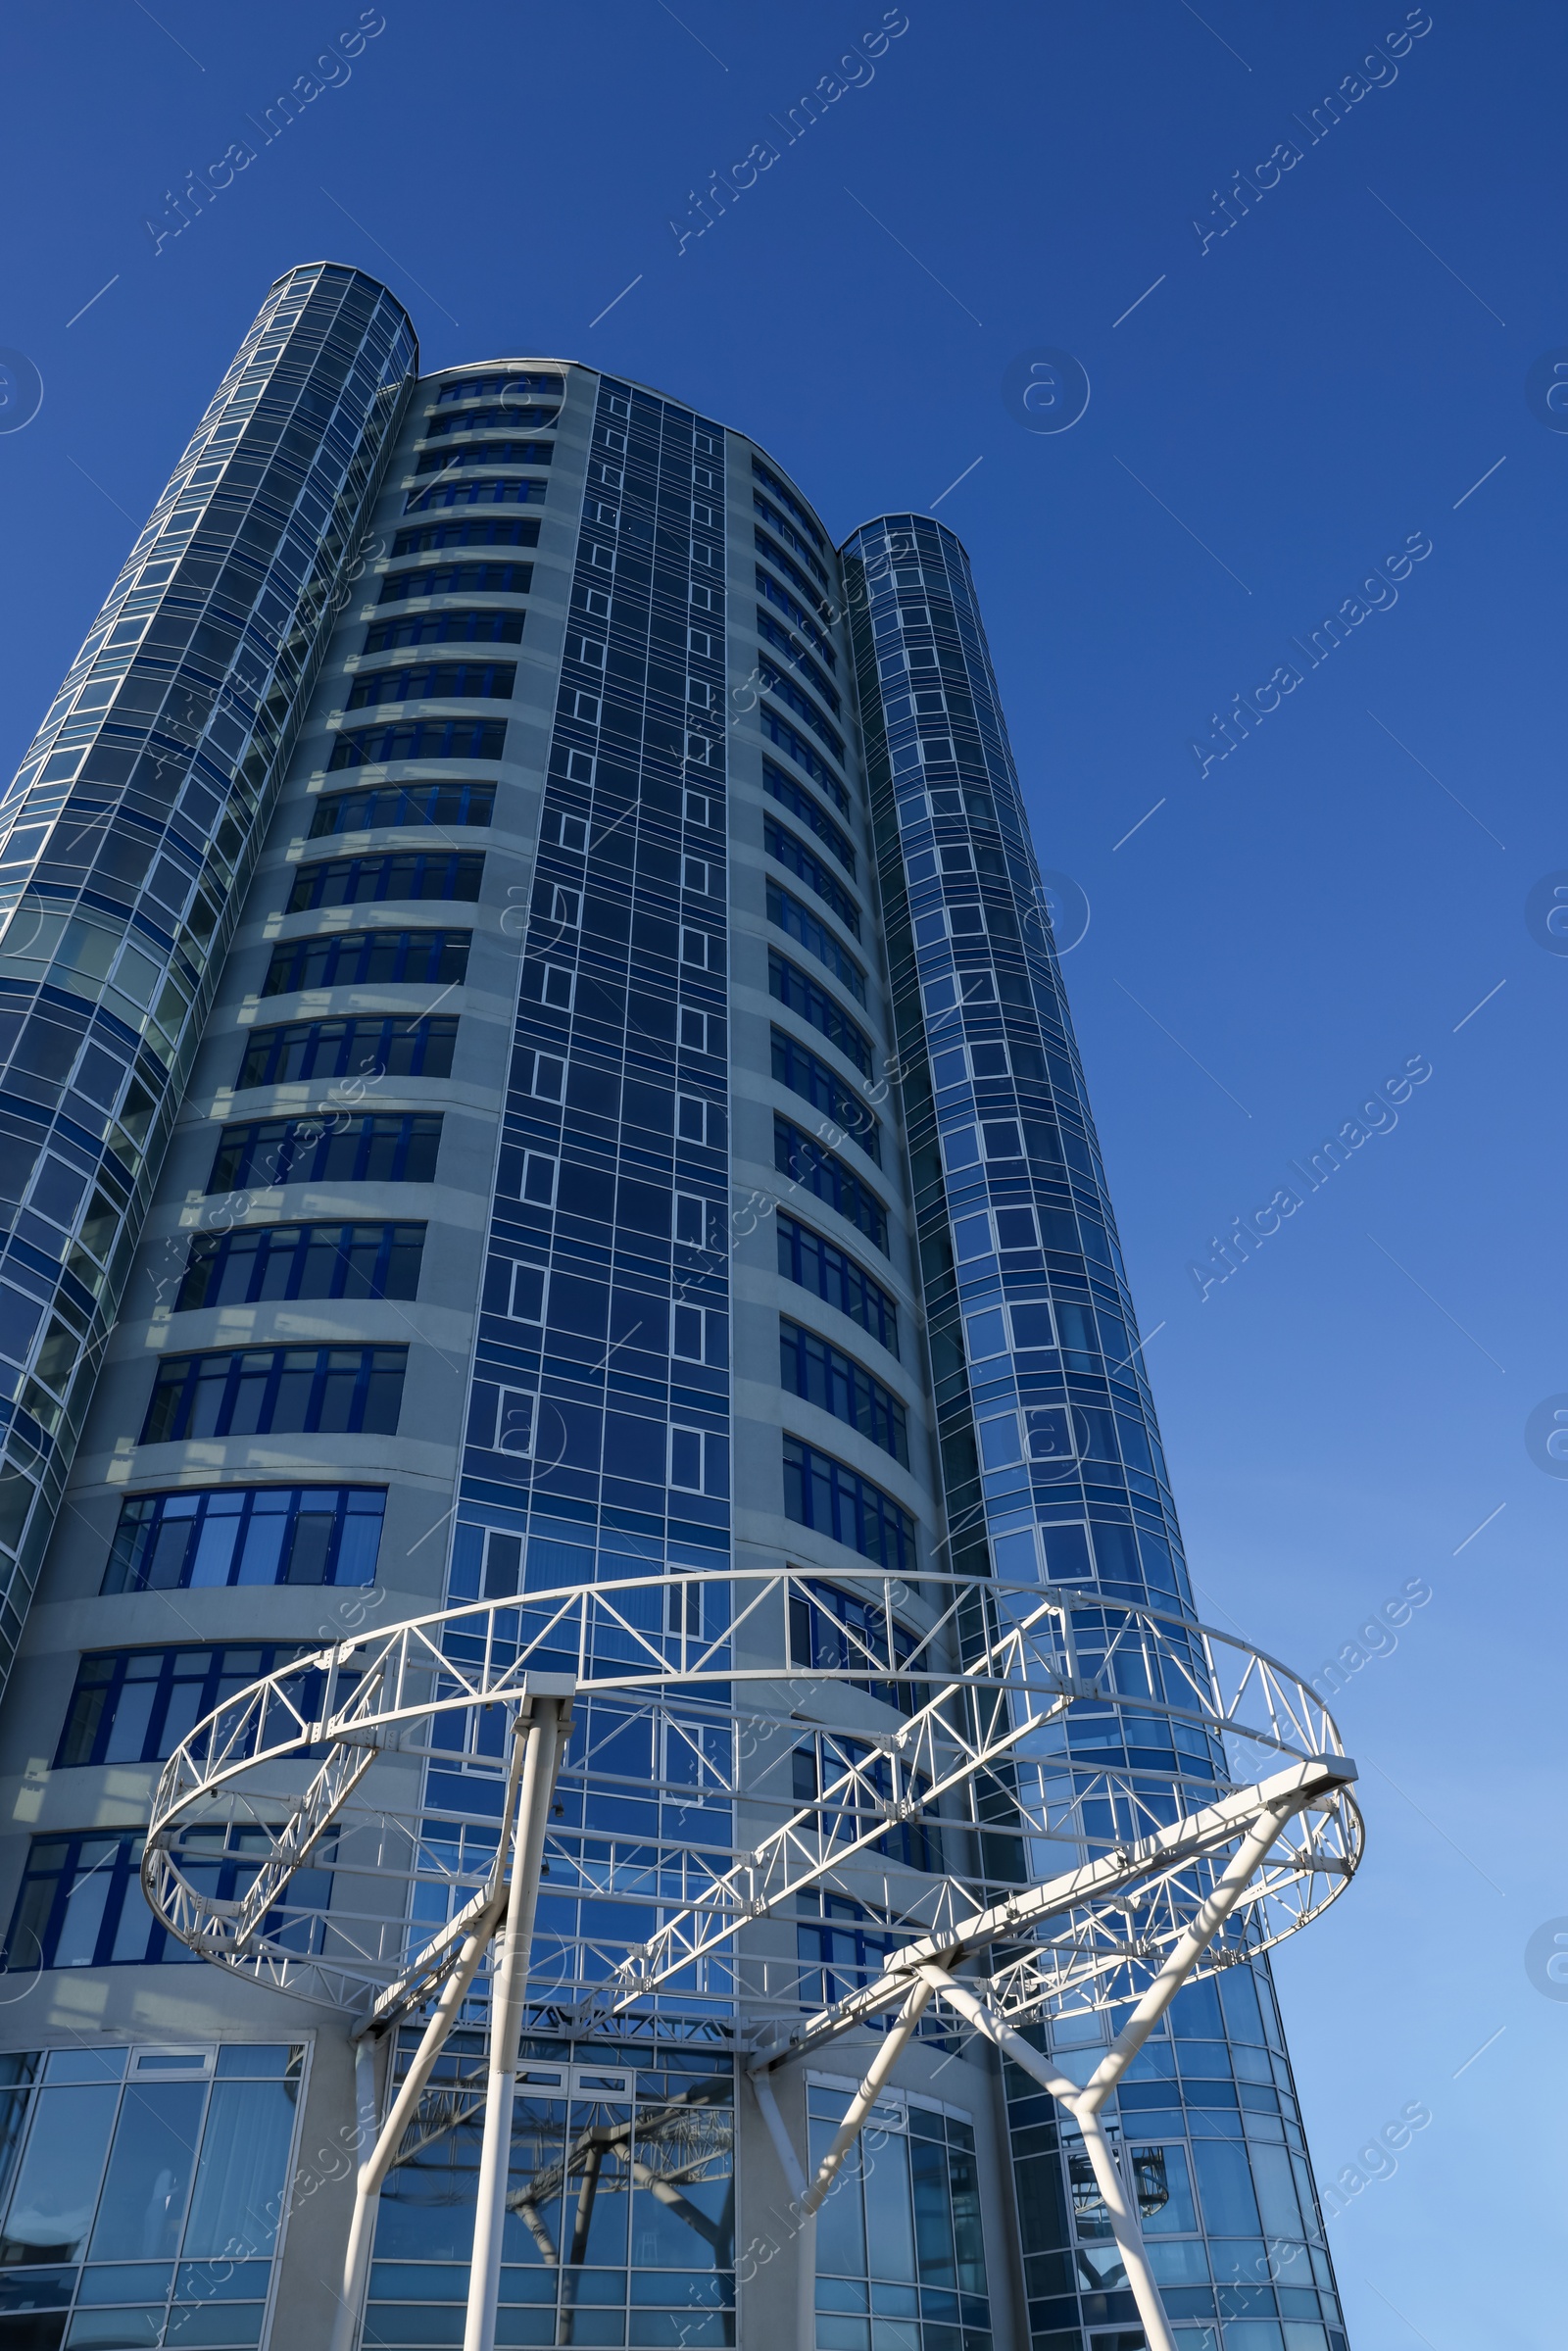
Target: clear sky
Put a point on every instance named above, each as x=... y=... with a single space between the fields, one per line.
x=1340 y=377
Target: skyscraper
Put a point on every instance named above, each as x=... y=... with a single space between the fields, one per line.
x=536 y=1064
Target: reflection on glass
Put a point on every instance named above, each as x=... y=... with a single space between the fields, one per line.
x=235 y=2212
x=52 y=2203
x=149 y=2172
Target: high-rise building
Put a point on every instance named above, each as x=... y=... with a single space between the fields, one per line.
x=534 y=1061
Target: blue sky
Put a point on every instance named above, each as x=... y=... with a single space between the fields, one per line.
x=1273 y=413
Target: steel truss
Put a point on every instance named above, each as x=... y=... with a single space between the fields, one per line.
x=1019 y=1719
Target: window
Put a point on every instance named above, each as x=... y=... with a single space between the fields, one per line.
x=412 y=874
x=913 y=2220
x=798 y=922
x=699 y=1461
x=457 y=579
x=541 y=1075
x=368 y=958
x=801 y=703
x=403 y=803
x=807 y=1074
x=703 y=950
x=810 y=1164
x=804 y=804
x=813 y=1368
x=429 y=739
x=191 y=2158
x=527 y=1176
x=787 y=497
x=504 y=1420
x=81 y=1905
x=589 y=651
x=486 y=453
x=574 y=703
x=563 y=830
x=448 y=493
x=808 y=867
x=561 y=907
x=465 y=534
x=515 y=1290
x=700 y=1121
x=819 y=1266
x=387 y=1149
x=425 y=681
x=246 y=1535
x=701 y=1222
x=833 y=1500
x=336 y=1049
x=699 y=808
x=839 y=1632
x=790 y=535
x=486 y=387
x=552 y=984
x=261 y=1262
x=778 y=730
x=773 y=632
x=136 y=1706
x=277 y=1391
x=987 y=1331
x=444 y=628
x=796 y=615
x=858 y=1805
x=790 y=570
x=792 y=986
x=481 y=420
x=702 y=1031
x=700 y=1334
x=696 y=873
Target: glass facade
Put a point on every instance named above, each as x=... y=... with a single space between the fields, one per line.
x=709 y=1190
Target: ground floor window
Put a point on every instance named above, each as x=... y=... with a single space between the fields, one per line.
x=143 y=2192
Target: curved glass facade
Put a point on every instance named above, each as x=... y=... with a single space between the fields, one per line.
x=130 y=831
x=529 y=992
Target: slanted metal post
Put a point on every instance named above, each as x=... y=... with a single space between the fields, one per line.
x=549 y=1720
x=1084 y=2104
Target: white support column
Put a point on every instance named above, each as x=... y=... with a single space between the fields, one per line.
x=894 y=2042
x=805 y=2222
x=550 y=1715
x=1185 y=1954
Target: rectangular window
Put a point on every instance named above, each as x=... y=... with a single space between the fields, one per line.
x=355 y=881
x=422 y=739
x=574 y=703
x=798 y=922
x=700 y=1334
x=521 y=533
x=477 y=626
x=384 y=1150
x=702 y=1031
x=486 y=453
x=792 y=851
x=806 y=1073
x=541 y=1075
x=810 y=1164
x=525 y=1175
x=795 y=653
x=697 y=874
x=589 y=651
x=552 y=984
x=515 y=1290
x=246 y=1535
x=700 y=1222
x=257 y=1263
x=136 y=1706
x=369 y=959
x=563 y=830
x=564 y=907
x=510 y=414
x=699 y=1461
x=489 y=387
x=833 y=1500
x=277 y=1391
x=790 y=570
x=822 y=1374
x=702 y=951
x=517 y=1413
x=699 y=808
x=435 y=681
x=700 y=1121
x=778 y=682
x=81 y=1905
x=796 y=615
x=299 y=1049
x=789 y=984
x=819 y=1266
x=787 y=497
x=403 y=804
x=455 y=579
x=805 y=805
x=833 y=1631
x=791 y=537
